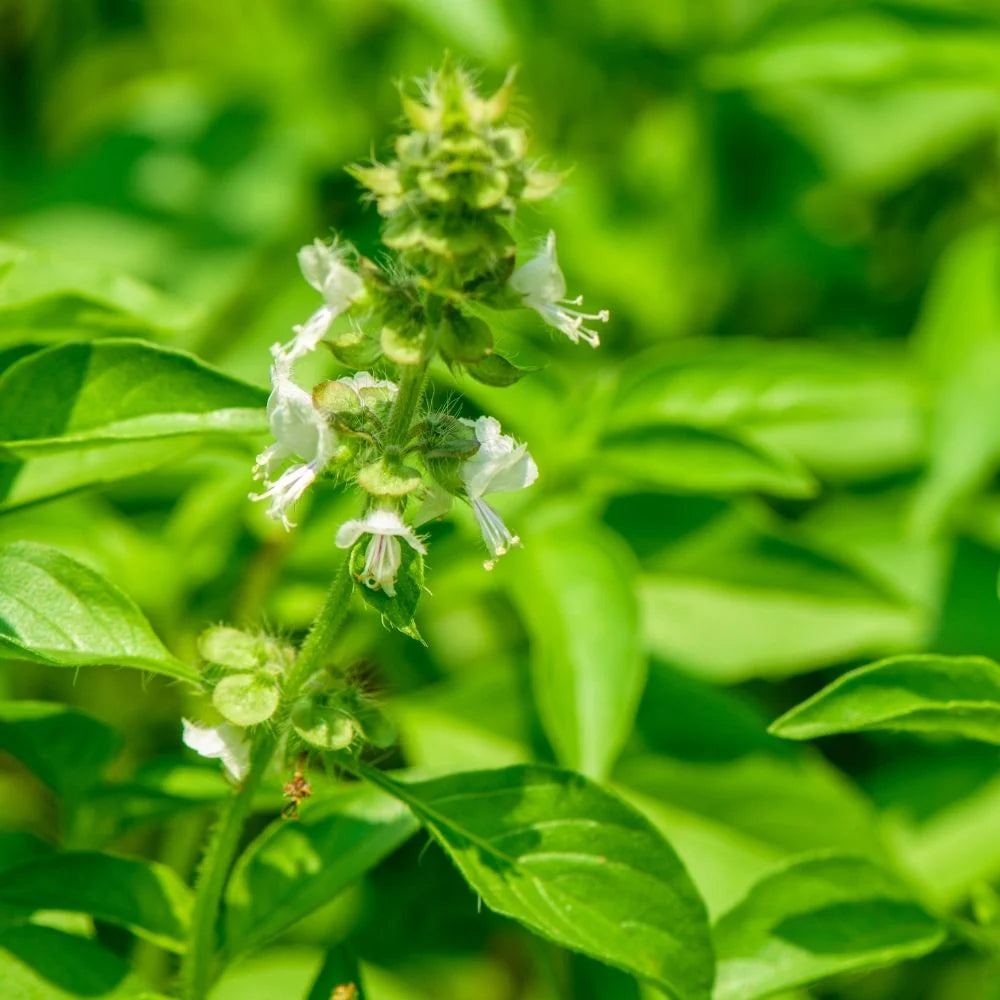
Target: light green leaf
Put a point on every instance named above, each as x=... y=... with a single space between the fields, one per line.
x=145 y=897
x=293 y=868
x=67 y=749
x=42 y=963
x=573 y=863
x=737 y=600
x=586 y=657
x=948 y=695
x=76 y=395
x=815 y=918
x=958 y=339
x=842 y=413
x=43 y=292
x=47 y=476
x=699 y=460
x=56 y=611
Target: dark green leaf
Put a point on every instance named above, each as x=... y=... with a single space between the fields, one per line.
x=296 y=866
x=947 y=695
x=814 y=918
x=42 y=963
x=575 y=864
x=145 y=897
x=397 y=612
x=76 y=395
x=56 y=611
x=340 y=968
x=65 y=748
x=497 y=371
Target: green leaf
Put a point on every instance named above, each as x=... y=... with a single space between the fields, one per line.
x=397 y=612
x=495 y=370
x=958 y=339
x=587 y=662
x=67 y=749
x=42 y=963
x=56 y=611
x=47 y=476
x=947 y=695
x=295 y=867
x=145 y=897
x=73 y=396
x=735 y=601
x=41 y=291
x=815 y=918
x=340 y=968
x=17 y=848
x=573 y=863
x=699 y=460
x=845 y=413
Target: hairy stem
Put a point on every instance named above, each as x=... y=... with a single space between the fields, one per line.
x=324 y=629
x=197 y=970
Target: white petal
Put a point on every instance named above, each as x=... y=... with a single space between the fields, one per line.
x=349 y=532
x=224 y=742
x=540 y=280
x=500 y=466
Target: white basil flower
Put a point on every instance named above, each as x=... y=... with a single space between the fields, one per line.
x=384 y=554
x=323 y=267
x=224 y=742
x=543 y=288
x=500 y=466
x=299 y=431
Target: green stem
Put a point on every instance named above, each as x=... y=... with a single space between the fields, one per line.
x=411 y=388
x=198 y=964
x=324 y=629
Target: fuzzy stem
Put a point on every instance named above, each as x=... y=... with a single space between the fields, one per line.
x=324 y=629
x=197 y=966
x=411 y=388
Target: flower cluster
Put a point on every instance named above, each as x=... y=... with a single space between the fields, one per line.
x=448 y=199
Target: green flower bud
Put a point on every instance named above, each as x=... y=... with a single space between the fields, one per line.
x=246 y=699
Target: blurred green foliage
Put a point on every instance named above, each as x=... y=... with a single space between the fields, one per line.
x=781 y=463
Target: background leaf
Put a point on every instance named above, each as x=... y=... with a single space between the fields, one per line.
x=56 y=611
x=587 y=664
x=816 y=917
x=67 y=749
x=145 y=897
x=42 y=963
x=948 y=695
x=293 y=868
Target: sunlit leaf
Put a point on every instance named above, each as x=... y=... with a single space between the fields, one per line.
x=575 y=864
x=947 y=695
x=76 y=395
x=57 y=611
